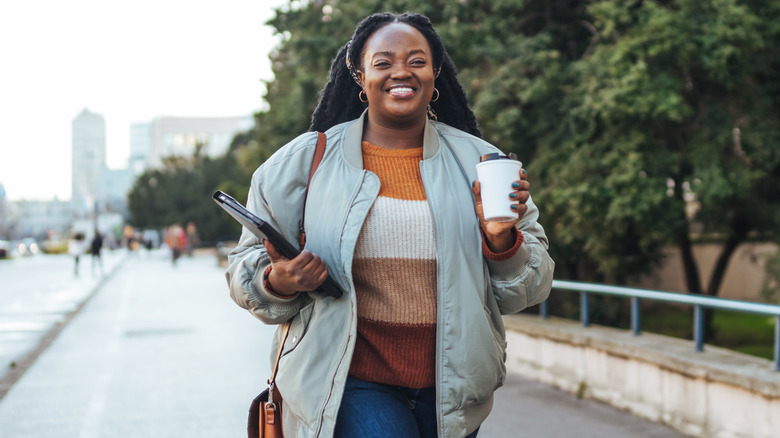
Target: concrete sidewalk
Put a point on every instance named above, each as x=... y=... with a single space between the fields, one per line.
x=162 y=351
x=39 y=295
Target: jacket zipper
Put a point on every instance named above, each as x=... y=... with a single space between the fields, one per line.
x=439 y=419
x=353 y=319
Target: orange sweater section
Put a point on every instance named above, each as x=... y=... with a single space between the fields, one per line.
x=395 y=276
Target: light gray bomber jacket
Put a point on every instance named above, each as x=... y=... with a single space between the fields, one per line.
x=472 y=292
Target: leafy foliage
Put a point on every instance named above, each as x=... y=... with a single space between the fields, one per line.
x=642 y=124
x=181 y=190
x=626 y=114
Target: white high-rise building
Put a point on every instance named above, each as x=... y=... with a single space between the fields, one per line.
x=89 y=158
x=179 y=136
x=140 y=145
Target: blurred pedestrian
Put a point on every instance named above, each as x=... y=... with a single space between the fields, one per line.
x=95 y=247
x=192 y=238
x=76 y=248
x=394 y=215
x=176 y=239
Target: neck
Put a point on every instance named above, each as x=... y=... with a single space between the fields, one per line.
x=393 y=137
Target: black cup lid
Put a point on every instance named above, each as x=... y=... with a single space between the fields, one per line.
x=496 y=156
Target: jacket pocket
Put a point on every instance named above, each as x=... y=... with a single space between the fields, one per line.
x=298 y=328
x=499 y=345
x=485 y=362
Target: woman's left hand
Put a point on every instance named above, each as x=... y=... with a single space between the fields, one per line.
x=499 y=235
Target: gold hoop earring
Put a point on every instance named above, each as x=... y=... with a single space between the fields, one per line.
x=363 y=96
x=437 y=95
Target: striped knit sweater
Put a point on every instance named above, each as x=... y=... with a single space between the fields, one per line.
x=395 y=276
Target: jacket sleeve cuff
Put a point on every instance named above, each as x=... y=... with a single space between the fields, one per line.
x=267 y=286
x=260 y=294
x=506 y=255
x=518 y=262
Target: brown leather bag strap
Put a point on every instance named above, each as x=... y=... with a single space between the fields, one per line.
x=285 y=332
x=319 y=152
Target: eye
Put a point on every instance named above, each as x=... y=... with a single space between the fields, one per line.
x=419 y=62
x=381 y=64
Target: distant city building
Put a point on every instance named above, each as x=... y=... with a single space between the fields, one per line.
x=89 y=157
x=112 y=189
x=5 y=215
x=40 y=218
x=179 y=136
x=140 y=145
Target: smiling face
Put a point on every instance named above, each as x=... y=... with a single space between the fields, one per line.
x=397 y=75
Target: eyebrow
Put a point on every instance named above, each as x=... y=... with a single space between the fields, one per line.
x=389 y=53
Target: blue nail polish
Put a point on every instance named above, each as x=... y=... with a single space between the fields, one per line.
x=524 y=172
x=473 y=183
x=515 y=185
x=513 y=207
x=512 y=195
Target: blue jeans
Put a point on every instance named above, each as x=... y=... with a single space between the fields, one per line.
x=374 y=410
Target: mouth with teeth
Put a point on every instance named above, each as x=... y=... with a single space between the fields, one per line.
x=401 y=92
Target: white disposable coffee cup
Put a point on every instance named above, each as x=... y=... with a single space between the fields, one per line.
x=496 y=173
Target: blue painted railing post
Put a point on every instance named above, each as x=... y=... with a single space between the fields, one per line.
x=543 y=311
x=777 y=343
x=698 y=327
x=584 y=309
x=635 y=319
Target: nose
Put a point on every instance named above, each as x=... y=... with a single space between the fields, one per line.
x=400 y=71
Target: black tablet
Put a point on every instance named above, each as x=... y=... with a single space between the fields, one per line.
x=263 y=230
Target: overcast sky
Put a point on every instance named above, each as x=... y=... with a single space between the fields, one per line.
x=130 y=62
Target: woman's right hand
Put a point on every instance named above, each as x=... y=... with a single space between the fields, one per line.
x=304 y=273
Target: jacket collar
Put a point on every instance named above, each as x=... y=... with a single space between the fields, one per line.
x=353 y=137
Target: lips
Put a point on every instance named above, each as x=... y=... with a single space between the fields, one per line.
x=401 y=91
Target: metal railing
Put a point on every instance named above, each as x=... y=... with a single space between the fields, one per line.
x=699 y=302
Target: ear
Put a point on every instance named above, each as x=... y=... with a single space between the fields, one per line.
x=362 y=77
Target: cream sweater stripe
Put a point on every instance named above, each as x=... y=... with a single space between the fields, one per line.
x=397 y=228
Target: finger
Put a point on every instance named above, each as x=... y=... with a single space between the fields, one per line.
x=523 y=174
x=521 y=185
x=302 y=260
x=307 y=267
x=520 y=196
x=317 y=276
x=273 y=253
x=476 y=189
x=521 y=209
x=310 y=278
x=323 y=275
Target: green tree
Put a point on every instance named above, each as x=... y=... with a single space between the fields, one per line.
x=676 y=97
x=623 y=112
x=180 y=191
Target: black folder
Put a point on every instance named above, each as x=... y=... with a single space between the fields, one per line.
x=263 y=230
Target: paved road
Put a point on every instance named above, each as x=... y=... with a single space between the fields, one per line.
x=163 y=352
x=39 y=292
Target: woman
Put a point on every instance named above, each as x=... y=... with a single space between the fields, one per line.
x=415 y=347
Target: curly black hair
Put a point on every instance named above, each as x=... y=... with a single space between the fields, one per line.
x=339 y=99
